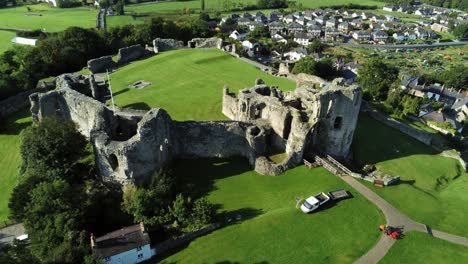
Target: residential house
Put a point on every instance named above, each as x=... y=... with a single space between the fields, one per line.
x=440 y=118
x=361 y=35
x=294 y=28
x=243 y=21
x=277 y=27
x=387 y=25
x=357 y=23
x=422 y=33
x=246 y=15
x=379 y=35
x=439 y=27
x=315 y=31
x=321 y=20
x=460 y=107
x=399 y=36
x=404 y=8
x=365 y=15
x=250 y=46
x=332 y=22
x=409 y=82
x=302 y=38
x=344 y=27
x=274 y=16
x=233 y=17
x=390 y=8
x=379 y=19
x=297 y=54
x=349 y=76
x=238 y=35
x=376 y=26
x=289 y=19
x=302 y=20
x=278 y=38
x=128 y=245
x=410 y=35
x=331 y=33
x=355 y=15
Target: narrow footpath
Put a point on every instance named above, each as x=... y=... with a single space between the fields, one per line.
x=396 y=219
x=9 y=233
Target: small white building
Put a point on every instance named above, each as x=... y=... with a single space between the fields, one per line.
x=128 y=245
x=24 y=41
x=236 y=35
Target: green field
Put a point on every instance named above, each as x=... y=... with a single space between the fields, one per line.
x=419 y=248
x=187 y=83
x=5 y=40
x=51 y=19
x=433 y=188
x=10 y=156
x=272 y=230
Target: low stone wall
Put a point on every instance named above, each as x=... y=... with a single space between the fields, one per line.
x=419 y=135
x=208 y=43
x=182 y=240
x=131 y=53
x=167 y=44
x=101 y=64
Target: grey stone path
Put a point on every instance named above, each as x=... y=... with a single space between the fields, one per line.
x=396 y=219
x=8 y=234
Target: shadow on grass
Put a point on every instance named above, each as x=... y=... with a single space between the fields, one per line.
x=9 y=126
x=121 y=91
x=138 y=106
x=376 y=142
x=197 y=177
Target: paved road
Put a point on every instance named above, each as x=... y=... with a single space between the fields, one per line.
x=412 y=46
x=101 y=23
x=396 y=219
x=8 y=234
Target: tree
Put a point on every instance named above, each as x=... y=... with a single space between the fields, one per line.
x=202 y=3
x=323 y=68
x=17 y=253
x=202 y=213
x=317 y=46
x=456 y=77
x=376 y=77
x=258 y=33
x=461 y=31
x=410 y=105
x=52 y=143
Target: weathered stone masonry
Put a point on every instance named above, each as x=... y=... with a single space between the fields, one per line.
x=131 y=144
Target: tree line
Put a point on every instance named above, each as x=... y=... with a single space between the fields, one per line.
x=21 y=67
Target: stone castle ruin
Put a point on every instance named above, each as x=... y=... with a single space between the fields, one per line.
x=131 y=144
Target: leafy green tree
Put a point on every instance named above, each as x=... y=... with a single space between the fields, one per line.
x=203 y=213
x=376 y=77
x=323 y=68
x=180 y=209
x=53 y=143
x=456 y=77
x=317 y=46
x=17 y=253
x=258 y=33
x=410 y=105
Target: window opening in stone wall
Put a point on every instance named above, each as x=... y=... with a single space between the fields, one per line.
x=338 y=122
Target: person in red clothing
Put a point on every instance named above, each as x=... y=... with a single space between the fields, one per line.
x=394 y=235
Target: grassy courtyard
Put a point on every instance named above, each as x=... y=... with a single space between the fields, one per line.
x=419 y=248
x=272 y=230
x=10 y=156
x=45 y=17
x=433 y=188
x=187 y=83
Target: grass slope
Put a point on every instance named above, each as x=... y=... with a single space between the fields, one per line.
x=433 y=188
x=419 y=248
x=187 y=83
x=272 y=230
x=5 y=40
x=10 y=156
x=51 y=19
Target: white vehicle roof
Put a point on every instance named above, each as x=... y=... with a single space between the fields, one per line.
x=22 y=237
x=312 y=200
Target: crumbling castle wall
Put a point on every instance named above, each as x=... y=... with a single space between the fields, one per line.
x=101 y=64
x=130 y=145
x=209 y=43
x=167 y=44
x=131 y=53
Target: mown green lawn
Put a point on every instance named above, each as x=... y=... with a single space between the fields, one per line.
x=5 y=40
x=433 y=188
x=187 y=83
x=51 y=19
x=419 y=248
x=10 y=156
x=272 y=230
